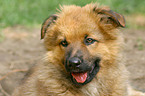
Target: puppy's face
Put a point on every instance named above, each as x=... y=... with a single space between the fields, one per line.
x=83 y=38
x=79 y=59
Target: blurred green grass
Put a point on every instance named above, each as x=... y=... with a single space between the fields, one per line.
x=33 y=12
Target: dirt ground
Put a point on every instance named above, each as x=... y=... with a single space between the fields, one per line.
x=22 y=48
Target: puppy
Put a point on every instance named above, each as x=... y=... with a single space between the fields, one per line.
x=83 y=56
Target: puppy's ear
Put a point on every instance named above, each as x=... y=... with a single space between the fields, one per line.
x=107 y=16
x=46 y=24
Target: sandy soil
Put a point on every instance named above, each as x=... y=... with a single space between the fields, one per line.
x=22 y=48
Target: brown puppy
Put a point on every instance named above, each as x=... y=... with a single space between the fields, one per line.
x=83 y=55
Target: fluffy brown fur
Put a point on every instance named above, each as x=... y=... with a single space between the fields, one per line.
x=73 y=23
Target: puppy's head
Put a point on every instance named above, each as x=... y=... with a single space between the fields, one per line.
x=83 y=38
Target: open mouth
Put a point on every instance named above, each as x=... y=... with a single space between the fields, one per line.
x=82 y=78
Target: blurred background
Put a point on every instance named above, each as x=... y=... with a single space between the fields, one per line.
x=33 y=12
x=21 y=47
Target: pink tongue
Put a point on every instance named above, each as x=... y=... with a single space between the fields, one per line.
x=80 y=77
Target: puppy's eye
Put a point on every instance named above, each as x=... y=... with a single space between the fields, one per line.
x=64 y=43
x=89 y=41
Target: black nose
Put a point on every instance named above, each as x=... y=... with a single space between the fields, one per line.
x=74 y=62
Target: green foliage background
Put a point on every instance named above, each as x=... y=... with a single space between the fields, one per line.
x=33 y=12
